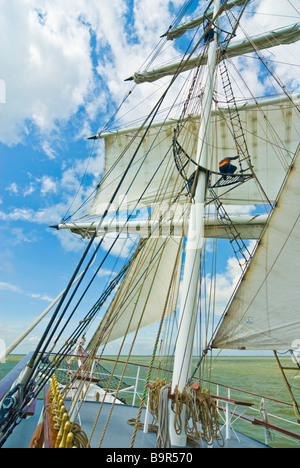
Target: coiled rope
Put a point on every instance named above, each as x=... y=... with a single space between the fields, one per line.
x=196 y=415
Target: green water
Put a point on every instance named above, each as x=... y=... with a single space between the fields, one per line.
x=256 y=375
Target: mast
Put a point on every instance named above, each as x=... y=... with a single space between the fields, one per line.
x=189 y=291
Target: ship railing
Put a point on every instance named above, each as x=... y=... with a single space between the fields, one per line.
x=233 y=410
x=131 y=390
x=234 y=413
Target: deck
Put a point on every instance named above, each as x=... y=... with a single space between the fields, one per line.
x=118 y=434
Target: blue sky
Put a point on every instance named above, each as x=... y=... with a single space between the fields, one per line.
x=62 y=70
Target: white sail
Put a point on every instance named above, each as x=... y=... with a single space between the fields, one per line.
x=152 y=178
x=272 y=134
x=264 y=313
x=149 y=290
x=287 y=35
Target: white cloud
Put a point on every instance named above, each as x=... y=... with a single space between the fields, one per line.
x=42 y=297
x=17 y=289
x=19 y=237
x=29 y=190
x=48 y=185
x=17 y=214
x=51 y=154
x=69 y=242
x=9 y=287
x=12 y=188
x=32 y=340
x=48 y=70
x=42 y=216
x=104 y=272
x=222 y=285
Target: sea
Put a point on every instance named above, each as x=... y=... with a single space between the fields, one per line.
x=256 y=380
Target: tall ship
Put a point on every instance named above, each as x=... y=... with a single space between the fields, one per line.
x=210 y=174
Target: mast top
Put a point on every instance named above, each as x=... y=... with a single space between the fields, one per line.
x=178 y=32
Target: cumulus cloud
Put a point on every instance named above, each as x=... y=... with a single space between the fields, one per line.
x=51 y=154
x=48 y=71
x=42 y=216
x=48 y=185
x=19 y=237
x=12 y=188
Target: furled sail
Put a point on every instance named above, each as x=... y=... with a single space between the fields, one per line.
x=264 y=313
x=249 y=227
x=149 y=290
x=287 y=35
x=178 y=32
x=272 y=133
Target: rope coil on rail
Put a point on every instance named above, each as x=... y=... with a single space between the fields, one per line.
x=195 y=412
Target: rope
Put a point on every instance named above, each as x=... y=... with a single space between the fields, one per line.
x=263 y=412
x=195 y=411
x=163 y=436
x=62 y=432
x=154 y=393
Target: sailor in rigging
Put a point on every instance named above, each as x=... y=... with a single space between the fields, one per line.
x=226 y=168
x=209 y=36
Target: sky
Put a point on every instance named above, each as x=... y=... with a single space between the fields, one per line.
x=62 y=69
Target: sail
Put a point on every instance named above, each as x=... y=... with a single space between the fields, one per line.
x=264 y=313
x=149 y=290
x=152 y=178
x=287 y=35
x=272 y=134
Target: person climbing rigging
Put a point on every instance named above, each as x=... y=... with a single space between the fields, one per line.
x=209 y=36
x=226 y=168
